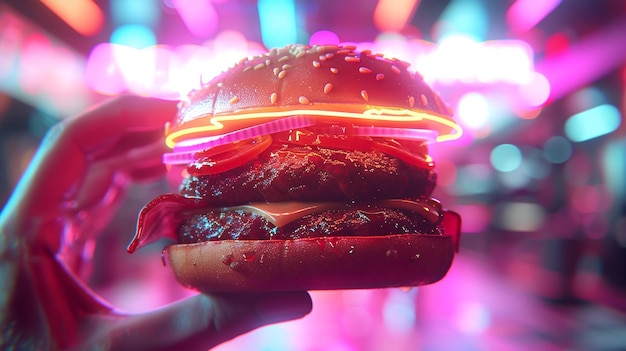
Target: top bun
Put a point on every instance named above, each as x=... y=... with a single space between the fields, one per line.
x=325 y=81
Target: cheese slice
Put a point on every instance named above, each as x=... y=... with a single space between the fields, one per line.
x=161 y=217
x=282 y=213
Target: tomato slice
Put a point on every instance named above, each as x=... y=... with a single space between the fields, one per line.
x=225 y=157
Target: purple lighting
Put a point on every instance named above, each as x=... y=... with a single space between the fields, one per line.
x=525 y=14
x=591 y=58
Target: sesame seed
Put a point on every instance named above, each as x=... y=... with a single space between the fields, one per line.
x=300 y=54
x=316 y=64
x=322 y=58
x=329 y=55
x=395 y=69
x=273 y=98
x=343 y=52
x=303 y=100
x=352 y=59
x=365 y=70
x=276 y=70
x=327 y=88
x=424 y=100
x=234 y=100
x=281 y=74
x=287 y=66
x=411 y=101
x=283 y=59
x=259 y=66
x=380 y=76
x=247 y=68
x=364 y=95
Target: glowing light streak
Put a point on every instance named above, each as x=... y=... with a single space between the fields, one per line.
x=393 y=15
x=525 y=14
x=589 y=59
x=215 y=123
x=593 y=123
x=278 y=22
x=199 y=16
x=84 y=16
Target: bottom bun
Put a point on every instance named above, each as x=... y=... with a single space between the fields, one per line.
x=328 y=263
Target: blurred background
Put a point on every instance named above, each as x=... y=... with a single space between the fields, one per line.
x=539 y=175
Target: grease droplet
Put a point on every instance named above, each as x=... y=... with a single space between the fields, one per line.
x=351 y=251
x=228 y=259
x=249 y=256
x=415 y=257
x=392 y=253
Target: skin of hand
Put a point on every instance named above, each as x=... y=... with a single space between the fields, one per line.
x=65 y=198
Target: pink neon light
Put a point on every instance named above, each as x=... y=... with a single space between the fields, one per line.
x=323 y=37
x=587 y=60
x=102 y=72
x=525 y=14
x=199 y=16
x=184 y=151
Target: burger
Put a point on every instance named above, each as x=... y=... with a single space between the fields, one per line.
x=305 y=168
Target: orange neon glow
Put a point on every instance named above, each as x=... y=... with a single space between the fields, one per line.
x=393 y=15
x=84 y=16
x=447 y=128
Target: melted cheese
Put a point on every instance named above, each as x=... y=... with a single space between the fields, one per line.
x=282 y=213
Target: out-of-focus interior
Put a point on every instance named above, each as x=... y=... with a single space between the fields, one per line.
x=539 y=175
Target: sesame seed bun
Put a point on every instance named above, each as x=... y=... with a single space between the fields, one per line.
x=318 y=81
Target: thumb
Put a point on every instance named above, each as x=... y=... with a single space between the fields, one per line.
x=204 y=321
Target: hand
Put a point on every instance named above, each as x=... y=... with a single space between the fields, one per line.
x=65 y=198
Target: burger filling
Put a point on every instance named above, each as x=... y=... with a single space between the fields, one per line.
x=299 y=184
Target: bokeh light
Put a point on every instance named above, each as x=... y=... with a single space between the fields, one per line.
x=593 y=123
x=506 y=157
x=278 y=22
x=520 y=216
x=536 y=91
x=134 y=35
x=324 y=37
x=557 y=149
x=473 y=110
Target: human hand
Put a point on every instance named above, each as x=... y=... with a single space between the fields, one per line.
x=66 y=197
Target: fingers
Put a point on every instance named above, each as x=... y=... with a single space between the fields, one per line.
x=124 y=135
x=127 y=113
x=203 y=321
